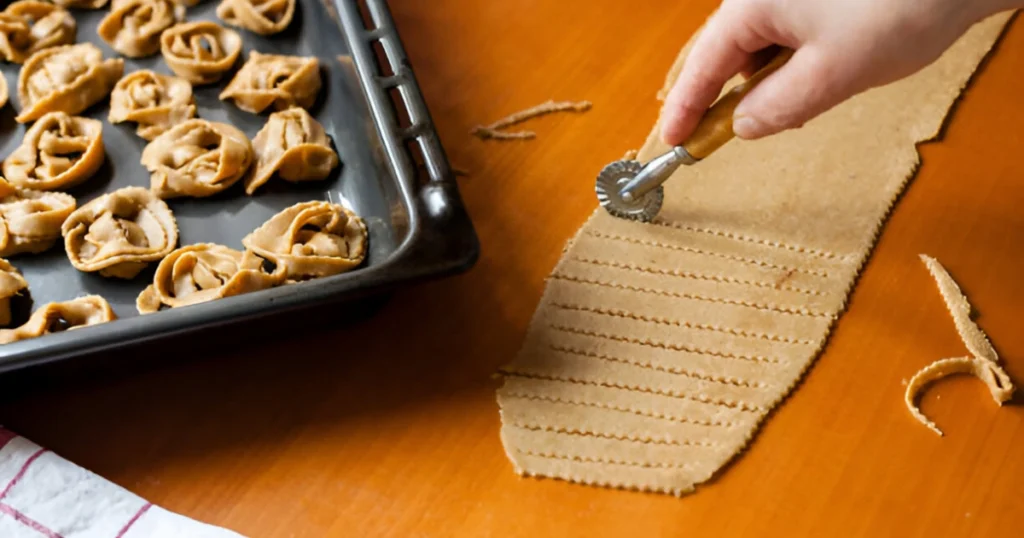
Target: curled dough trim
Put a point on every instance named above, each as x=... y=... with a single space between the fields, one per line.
x=200 y=52
x=58 y=152
x=65 y=316
x=133 y=27
x=30 y=220
x=11 y=284
x=154 y=101
x=274 y=79
x=984 y=362
x=311 y=240
x=294 y=146
x=69 y=78
x=205 y=272
x=197 y=158
x=120 y=233
x=264 y=17
x=28 y=26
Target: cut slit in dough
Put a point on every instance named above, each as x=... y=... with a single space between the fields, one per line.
x=28 y=27
x=204 y=272
x=58 y=317
x=983 y=362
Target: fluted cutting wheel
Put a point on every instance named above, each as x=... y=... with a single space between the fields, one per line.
x=609 y=185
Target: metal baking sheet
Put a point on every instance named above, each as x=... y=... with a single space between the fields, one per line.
x=417 y=225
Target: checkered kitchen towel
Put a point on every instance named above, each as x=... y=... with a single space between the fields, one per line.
x=45 y=496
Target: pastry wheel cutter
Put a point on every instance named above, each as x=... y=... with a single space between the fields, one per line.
x=630 y=190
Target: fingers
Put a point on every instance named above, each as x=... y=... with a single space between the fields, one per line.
x=805 y=87
x=722 y=50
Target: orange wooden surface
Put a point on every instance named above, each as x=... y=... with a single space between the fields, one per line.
x=389 y=427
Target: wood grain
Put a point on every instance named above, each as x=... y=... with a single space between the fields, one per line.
x=389 y=427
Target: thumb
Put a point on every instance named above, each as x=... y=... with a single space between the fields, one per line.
x=805 y=87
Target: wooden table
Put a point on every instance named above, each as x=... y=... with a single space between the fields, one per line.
x=389 y=427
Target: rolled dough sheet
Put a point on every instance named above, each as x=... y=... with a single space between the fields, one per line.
x=657 y=349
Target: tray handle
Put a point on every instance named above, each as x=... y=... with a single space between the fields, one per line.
x=410 y=141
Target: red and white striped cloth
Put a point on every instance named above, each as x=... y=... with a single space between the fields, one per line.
x=45 y=496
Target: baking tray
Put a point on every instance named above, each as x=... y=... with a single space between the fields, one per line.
x=394 y=174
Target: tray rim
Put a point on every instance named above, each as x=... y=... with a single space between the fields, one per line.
x=441 y=240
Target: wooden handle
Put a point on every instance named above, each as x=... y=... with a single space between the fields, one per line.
x=715 y=128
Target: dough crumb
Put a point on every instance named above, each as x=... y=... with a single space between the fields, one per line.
x=495 y=130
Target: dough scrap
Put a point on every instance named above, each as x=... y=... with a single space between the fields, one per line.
x=294 y=146
x=983 y=362
x=11 y=284
x=68 y=78
x=58 y=317
x=30 y=220
x=133 y=27
x=28 y=26
x=154 y=101
x=264 y=17
x=58 y=152
x=197 y=158
x=200 y=52
x=274 y=79
x=204 y=272
x=311 y=240
x=495 y=130
x=118 y=234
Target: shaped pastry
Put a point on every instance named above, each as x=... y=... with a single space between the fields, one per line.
x=58 y=317
x=3 y=91
x=28 y=27
x=197 y=158
x=200 y=52
x=155 y=102
x=273 y=79
x=69 y=78
x=199 y=273
x=81 y=4
x=30 y=220
x=263 y=17
x=120 y=233
x=133 y=27
x=295 y=146
x=58 y=152
x=311 y=239
x=11 y=284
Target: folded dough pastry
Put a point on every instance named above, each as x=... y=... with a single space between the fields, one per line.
x=311 y=239
x=120 y=233
x=274 y=79
x=58 y=317
x=295 y=146
x=199 y=273
x=30 y=220
x=28 y=27
x=69 y=78
x=154 y=101
x=58 y=152
x=133 y=27
x=263 y=17
x=11 y=284
x=200 y=52
x=197 y=158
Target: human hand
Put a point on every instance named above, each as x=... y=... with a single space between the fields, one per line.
x=843 y=47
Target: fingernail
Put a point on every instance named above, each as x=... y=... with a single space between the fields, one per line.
x=747 y=127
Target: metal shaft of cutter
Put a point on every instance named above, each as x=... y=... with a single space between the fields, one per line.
x=655 y=173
